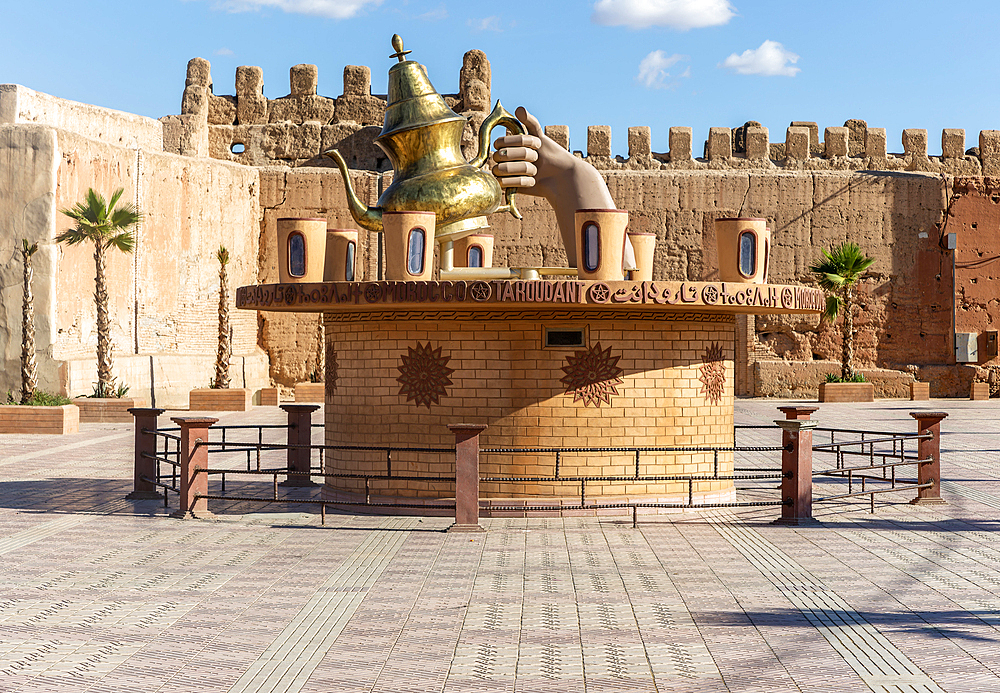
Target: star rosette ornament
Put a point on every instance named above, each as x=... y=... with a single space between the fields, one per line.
x=713 y=373
x=331 y=368
x=423 y=375
x=592 y=375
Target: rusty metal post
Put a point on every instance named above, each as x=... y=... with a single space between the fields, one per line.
x=145 y=444
x=194 y=430
x=466 y=477
x=929 y=449
x=796 y=465
x=299 y=434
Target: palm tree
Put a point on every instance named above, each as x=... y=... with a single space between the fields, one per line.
x=108 y=225
x=29 y=370
x=838 y=271
x=221 y=381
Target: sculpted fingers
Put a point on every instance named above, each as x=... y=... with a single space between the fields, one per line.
x=517 y=142
x=515 y=168
x=516 y=182
x=515 y=154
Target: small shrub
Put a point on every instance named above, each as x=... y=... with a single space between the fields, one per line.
x=40 y=399
x=853 y=378
x=115 y=392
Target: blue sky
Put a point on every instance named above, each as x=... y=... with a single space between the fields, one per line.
x=698 y=63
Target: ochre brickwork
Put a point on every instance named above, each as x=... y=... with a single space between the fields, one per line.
x=504 y=377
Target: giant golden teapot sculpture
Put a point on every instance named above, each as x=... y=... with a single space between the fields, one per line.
x=422 y=138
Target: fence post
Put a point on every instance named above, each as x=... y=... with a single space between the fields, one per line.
x=194 y=430
x=798 y=413
x=145 y=444
x=929 y=448
x=796 y=465
x=466 y=477
x=299 y=433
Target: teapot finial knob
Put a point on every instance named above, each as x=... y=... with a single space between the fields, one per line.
x=397 y=45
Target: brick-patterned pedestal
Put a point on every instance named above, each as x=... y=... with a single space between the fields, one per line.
x=15 y=418
x=846 y=392
x=228 y=399
x=309 y=392
x=268 y=397
x=107 y=409
x=920 y=391
x=980 y=391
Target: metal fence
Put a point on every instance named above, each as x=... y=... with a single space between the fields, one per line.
x=876 y=476
x=177 y=460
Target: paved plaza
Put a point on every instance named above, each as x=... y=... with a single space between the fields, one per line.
x=100 y=593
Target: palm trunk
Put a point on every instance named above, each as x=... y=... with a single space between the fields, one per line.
x=29 y=368
x=847 y=359
x=105 y=381
x=225 y=344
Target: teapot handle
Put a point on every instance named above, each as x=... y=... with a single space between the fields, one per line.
x=499 y=116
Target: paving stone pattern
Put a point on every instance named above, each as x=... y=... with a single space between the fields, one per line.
x=98 y=593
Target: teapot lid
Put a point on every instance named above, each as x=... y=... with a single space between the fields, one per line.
x=412 y=100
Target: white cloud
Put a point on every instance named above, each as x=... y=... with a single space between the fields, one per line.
x=333 y=9
x=653 y=69
x=486 y=24
x=675 y=14
x=435 y=15
x=770 y=59
x=223 y=51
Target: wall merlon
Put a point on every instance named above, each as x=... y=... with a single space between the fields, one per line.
x=251 y=104
x=856 y=140
x=303 y=80
x=249 y=81
x=837 y=141
x=797 y=143
x=989 y=152
x=815 y=146
x=952 y=143
x=915 y=142
x=758 y=146
x=199 y=72
x=720 y=143
x=599 y=140
x=640 y=143
x=558 y=134
x=875 y=144
x=681 y=139
x=474 y=81
x=357 y=80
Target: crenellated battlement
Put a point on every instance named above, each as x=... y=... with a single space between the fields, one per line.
x=852 y=147
x=294 y=130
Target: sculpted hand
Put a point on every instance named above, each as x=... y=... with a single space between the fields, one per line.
x=537 y=165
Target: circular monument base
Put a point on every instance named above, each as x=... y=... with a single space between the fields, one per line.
x=544 y=365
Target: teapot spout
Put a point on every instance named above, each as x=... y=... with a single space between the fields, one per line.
x=367 y=217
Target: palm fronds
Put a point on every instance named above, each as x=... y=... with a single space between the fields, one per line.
x=838 y=271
